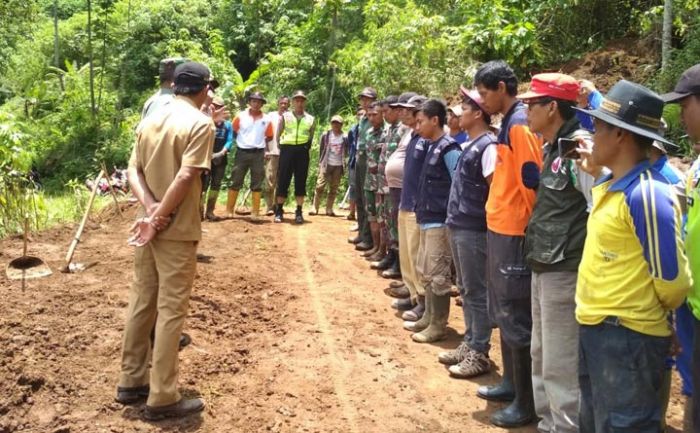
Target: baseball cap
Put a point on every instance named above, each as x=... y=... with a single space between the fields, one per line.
x=299 y=94
x=336 y=118
x=688 y=84
x=473 y=95
x=416 y=101
x=192 y=74
x=403 y=100
x=218 y=101
x=368 y=92
x=456 y=110
x=553 y=85
x=257 y=95
x=390 y=100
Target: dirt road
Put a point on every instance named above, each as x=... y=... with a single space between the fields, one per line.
x=291 y=333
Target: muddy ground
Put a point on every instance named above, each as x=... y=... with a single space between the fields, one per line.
x=291 y=333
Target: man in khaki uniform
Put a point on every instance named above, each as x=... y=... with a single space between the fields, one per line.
x=172 y=148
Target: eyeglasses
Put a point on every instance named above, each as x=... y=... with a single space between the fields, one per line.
x=539 y=101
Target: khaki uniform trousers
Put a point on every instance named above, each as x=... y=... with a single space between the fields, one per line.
x=331 y=176
x=272 y=164
x=164 y=271
x=409 y=240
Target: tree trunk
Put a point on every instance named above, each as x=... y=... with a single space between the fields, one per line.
x=56 y=50
x=92 y=70
x=667 y=32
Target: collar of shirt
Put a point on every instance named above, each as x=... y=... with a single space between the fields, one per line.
x=622 y=183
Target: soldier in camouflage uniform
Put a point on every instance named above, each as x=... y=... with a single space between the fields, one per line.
x=389 y=230
x=373 y=149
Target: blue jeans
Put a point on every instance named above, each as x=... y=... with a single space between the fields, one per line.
x=620 y=374
x=469 y=256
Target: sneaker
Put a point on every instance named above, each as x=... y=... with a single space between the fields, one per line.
x=298 y=218
x=475 y=364
x=452 y=357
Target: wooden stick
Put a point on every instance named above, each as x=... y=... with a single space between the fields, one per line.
x=111 y=189
x=76 y=239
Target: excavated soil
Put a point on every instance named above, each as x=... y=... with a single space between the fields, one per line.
x=291 y=333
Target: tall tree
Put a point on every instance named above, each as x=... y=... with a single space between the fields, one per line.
x=667 y=30
x=92 y=69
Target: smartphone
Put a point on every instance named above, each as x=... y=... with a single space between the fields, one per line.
x=568 y=148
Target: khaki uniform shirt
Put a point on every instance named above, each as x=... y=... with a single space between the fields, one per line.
x=179 y=135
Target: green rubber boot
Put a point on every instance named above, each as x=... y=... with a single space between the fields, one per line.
x=437 y=330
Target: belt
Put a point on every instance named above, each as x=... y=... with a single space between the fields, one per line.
x=240 y=149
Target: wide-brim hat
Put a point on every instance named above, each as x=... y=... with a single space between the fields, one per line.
x=632 y=107
x=257 y=95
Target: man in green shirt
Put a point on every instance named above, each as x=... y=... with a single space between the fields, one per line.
x=687 y=95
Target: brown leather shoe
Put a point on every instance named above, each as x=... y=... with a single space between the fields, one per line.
x=182 y=408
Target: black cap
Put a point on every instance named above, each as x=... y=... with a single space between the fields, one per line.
x=192 y=74
x=403 y=100
x=299 y=94
x=689 y=84
x=368 y=92
x=390 y=100
x=632 y=107
x=416 y=101
x=258 y=96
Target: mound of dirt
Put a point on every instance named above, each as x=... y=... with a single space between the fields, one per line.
x=629 y=59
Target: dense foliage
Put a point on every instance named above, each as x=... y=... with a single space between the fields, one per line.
x=330 y=48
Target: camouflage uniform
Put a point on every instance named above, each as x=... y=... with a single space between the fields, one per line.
x=373 y=148
x=390 y=141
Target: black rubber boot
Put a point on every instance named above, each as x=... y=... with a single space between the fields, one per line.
x=386 y=262
x=522 y=410
x=395 y=270
x=504 y=391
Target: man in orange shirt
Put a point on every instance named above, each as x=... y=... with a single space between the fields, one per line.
x=253 y=130
x=508 y=208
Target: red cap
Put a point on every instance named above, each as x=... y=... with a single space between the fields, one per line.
x=553 y=85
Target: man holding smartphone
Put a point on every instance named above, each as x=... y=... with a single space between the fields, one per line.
x=554 y=247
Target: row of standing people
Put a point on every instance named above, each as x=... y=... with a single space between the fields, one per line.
x=575 y=253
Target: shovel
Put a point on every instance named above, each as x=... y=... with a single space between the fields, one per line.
x=27 y=267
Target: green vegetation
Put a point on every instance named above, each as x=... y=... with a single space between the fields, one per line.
x=71 y=94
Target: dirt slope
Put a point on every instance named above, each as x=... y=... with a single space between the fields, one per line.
x=292 y=333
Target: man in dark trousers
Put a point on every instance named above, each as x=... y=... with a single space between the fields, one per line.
x=510 y=202
x=295 y=135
